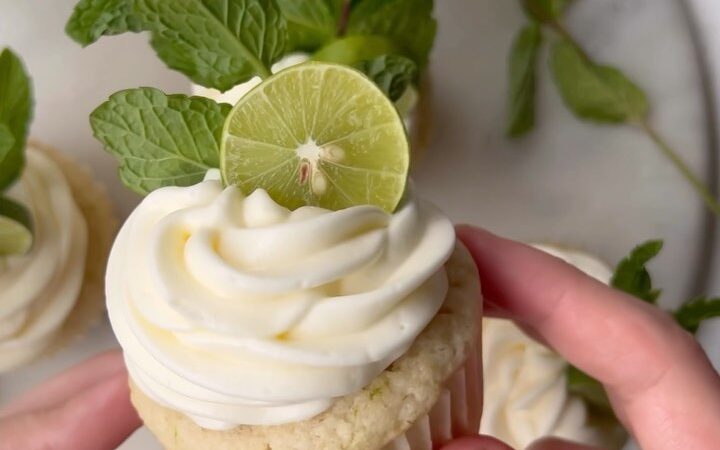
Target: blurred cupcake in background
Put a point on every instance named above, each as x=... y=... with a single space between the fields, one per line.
x=56 y=229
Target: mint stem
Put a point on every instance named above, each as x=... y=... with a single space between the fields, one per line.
x=709 y=199
x=700 y=187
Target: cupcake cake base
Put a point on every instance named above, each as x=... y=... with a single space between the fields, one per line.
x=427 y=397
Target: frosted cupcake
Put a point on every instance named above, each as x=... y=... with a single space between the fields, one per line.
x=304 y=298
x=56 y=228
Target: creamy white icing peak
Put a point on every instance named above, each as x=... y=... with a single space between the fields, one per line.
x=39 y=290
x=235 y=310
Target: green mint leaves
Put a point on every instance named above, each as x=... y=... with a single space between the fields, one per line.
x=522 y=69
x=160 y=140
x=311 y=24
x=15 y=114
x=545 y=10
x=408 y=23
x=216 y=43
x=93 y=19
x=391 y=73
x=593 y=92
x=631 y=275
x=222 y=43
x=693 y=313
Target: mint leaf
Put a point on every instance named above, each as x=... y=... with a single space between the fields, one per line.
x=693 y=313
x=160 y=140
x=92 y=19
x=522 y=73
x=593 y=92
x=7 y=141
x=408 y=23
x=310 y=25
x=631 y=275
x=351 y=50
x=545 y=10
x=15 y=114
x=391 y=73
x=588 y=388
x=216 y=43
x=16 y=228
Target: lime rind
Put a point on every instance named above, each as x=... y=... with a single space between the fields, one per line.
x=317 y=134
x=16 y=230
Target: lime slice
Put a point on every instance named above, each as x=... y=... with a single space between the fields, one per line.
x=15 y=228
x=317 y=134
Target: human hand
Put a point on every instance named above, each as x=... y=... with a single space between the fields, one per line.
x=86 y=407
x=660 y=382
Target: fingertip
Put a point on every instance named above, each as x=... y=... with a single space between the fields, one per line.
x=101 y=417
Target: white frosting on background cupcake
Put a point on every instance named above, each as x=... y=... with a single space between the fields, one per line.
x=526 y=397
x=234 y=310
x=39 y=290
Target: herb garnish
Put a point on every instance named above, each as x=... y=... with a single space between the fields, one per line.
x=592 y=91
x=15 y=114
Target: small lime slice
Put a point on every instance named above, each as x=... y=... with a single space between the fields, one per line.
x=317 y=134
x=15 y=228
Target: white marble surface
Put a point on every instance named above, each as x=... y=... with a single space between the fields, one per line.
x=601 y=189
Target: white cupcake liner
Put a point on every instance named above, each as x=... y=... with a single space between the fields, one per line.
x=455 y=414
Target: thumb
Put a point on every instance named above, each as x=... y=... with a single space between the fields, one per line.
x=100 y=418
x=476 y=443
x=558 y=444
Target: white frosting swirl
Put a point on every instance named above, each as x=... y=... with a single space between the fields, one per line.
x=526 y=397
x=39 y=290
x=234 y=310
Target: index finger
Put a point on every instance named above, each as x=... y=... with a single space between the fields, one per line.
x=658 y=378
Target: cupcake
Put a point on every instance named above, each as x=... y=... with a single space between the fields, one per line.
x=56 y=229
x=281 y=285
x=526 y=386
x=301 y=298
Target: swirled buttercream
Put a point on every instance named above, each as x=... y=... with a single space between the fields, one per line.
x=39 y=290
x=234 y=310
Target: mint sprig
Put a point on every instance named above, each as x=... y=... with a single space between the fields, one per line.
x=523 y=68
x=631 y=276
x=693 y=313
x=391 y=73
x=311 y=24
x=408 y=23
x=15 y=114
x=93 y=19
x=217 y=44
x=594 y=92
x=160 y=140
